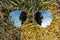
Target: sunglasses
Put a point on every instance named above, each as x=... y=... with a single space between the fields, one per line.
x=19 y=17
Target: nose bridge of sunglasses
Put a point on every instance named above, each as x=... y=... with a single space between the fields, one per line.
x=30 y=17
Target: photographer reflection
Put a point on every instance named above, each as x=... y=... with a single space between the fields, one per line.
x=23 y=17
x=38 y=17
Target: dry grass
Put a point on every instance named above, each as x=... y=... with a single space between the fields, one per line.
x=31 y=31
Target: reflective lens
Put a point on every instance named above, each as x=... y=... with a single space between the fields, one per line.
x=43 y=18
x=18 y=17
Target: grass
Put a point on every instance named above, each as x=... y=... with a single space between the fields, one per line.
x=31 y=31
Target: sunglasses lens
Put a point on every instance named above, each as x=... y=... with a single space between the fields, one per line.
x=43 y=18
x=17 y=17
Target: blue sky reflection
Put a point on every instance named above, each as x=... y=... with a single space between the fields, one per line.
x=15 y=17
x=47 y=18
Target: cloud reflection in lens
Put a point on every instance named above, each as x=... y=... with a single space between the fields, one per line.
x=18 y=17
x=46 y=18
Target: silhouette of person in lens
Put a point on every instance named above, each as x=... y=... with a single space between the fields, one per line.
x=38 y=18
x=23 y=17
